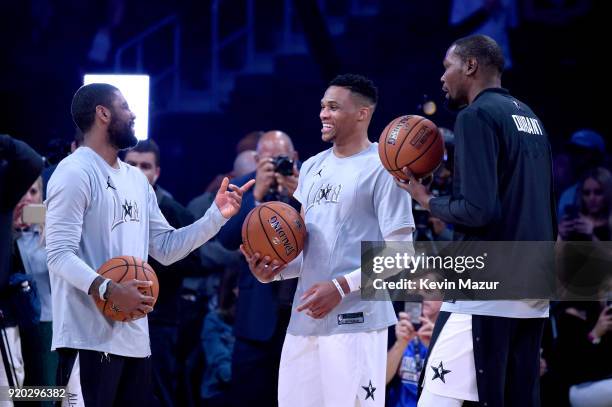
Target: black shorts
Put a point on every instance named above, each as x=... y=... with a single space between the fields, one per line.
x=106 y=379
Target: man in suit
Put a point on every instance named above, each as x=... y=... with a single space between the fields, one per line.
x=263 y=310
x=164 y=319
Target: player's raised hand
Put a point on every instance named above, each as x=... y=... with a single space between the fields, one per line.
x=229 y=202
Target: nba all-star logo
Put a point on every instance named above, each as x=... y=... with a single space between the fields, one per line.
x=439 y=372
x=326 y=193
x=124 y=210
x=369 y=389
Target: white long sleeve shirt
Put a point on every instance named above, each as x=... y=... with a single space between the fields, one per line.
x=96 y=212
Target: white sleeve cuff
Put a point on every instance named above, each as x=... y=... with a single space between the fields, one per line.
x=293 y=269
x=214 y=215
x=354 y=277
x=354 y=280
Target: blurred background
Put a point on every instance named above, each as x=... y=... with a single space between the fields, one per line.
x=222 y=72
x=222 y=69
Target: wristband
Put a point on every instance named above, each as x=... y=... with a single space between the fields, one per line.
x=340 y=290
x=102 y=289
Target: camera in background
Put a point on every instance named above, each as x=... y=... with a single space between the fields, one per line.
x=283 y=165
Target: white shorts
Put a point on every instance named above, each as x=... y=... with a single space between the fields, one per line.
x=592 y=394
x=450 y=371
x=342 y=370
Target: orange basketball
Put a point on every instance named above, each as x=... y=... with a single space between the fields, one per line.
x=126 y=268
x=274 y=229
x=413 y=142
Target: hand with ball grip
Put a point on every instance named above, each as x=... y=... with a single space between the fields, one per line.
x=417 y=191
x=125 y=297
x=264 y=269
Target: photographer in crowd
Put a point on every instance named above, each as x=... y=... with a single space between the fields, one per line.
x=263 y=310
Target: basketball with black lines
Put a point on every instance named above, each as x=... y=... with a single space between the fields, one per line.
x=411 y=141
x=122 y=269
x=274 y=229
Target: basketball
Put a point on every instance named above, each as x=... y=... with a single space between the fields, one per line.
x=126 y=268
x=413 y=142
x=274 y=229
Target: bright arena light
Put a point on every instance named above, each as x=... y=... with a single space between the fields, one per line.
x=135 y=89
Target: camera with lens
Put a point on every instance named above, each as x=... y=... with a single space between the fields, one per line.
x=283 y=165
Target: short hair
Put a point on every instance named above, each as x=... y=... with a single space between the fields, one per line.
x=358 y=84
x=79 y=137
x=147 y=146
x=85 y=100
x=482 y=47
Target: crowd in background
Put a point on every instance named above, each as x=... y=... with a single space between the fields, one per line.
x=216 y=333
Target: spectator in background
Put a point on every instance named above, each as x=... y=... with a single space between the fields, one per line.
x=30 y=258
x=19 y=167
x=249 y=141
x=200 y=289
x=263 y=310
x=214 y=256
x=58 y=154
x=587 y=150
x=243 y=164
x=590 y=217
x=429 y=227
x=218 y=344
x=406 y=358
x=164 y=319
x=584 y=352
x=562 y=172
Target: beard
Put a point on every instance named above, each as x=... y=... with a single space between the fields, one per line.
x=456 y=103
x=121 y=134
x=329 y=138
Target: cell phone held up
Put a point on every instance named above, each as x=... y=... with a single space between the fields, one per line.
x=33 y=214
x=570 y=212
x=414 y=311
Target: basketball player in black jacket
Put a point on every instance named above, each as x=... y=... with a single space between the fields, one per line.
x=487 y=352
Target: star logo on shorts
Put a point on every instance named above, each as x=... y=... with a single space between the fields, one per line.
x=370 y=390
x=439 y=372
